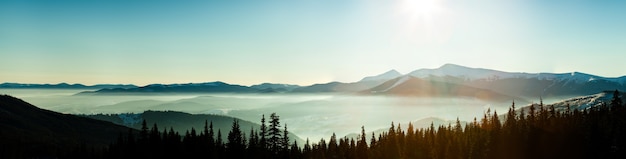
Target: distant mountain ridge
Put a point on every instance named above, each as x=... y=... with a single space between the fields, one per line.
x=275 y=87
x=471 y=74
x=498 y=83
x=512 y=84
x=523 y=84
x=208 y=87
x=63 y=86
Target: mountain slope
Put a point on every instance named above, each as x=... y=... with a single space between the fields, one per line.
x=412 y=86
x=518 y=84
x=523 y=84
x=577 y=103
x=181 y=122
x=463 y=72
x=363 y=84
x=391 y=74
x=337 y=87
x=32 y=131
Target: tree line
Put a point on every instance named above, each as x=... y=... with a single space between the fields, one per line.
x=540 y=132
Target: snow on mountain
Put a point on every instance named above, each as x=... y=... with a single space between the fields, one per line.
x=391 y=74
x=465 y=73
x=472 y=74
x=572 y=77
x=579 y=103
x=583 y=102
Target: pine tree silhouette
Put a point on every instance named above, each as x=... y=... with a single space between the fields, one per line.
x=275 y=135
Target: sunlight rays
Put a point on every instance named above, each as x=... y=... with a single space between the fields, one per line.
x=423 y=10
x=424 y=21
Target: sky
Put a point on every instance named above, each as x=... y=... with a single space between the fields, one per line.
x=301 y=41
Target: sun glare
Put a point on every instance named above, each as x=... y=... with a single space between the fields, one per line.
x=421 y=9
x=424 y=21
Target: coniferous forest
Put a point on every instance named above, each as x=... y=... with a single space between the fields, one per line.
x=537 y=132
x=541 y=132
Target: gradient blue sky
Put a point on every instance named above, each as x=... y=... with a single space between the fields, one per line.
x=301 y=41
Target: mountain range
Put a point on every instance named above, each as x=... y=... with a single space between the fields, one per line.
x=451 y=77
x=8 y=85
x=447 y=80
x=208 y=87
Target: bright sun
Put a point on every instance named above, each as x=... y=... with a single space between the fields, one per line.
x=424 y=21
x=421 y=9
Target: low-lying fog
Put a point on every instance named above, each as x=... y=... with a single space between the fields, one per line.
x=311 y=116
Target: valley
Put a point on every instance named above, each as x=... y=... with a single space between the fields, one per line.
x=313 y=116
x=319 y=110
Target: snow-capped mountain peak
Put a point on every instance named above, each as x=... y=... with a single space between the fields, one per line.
x=462 y=72
x=471 y=74
x=391 y=74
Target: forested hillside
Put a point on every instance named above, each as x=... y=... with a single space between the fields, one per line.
x=543 y=132
x=540 y=132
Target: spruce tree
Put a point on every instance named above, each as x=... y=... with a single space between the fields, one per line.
x=361 y=146
x=307 y=146
x=275 y=135
x=333 y=148
x=263 y=133
x=252 y=139
x=285 y=140
x=616 y=101
x=218 y=141
x=295 y=151
x=143 y=134
x=235 y=143
x=211 y=137
x=205 y=133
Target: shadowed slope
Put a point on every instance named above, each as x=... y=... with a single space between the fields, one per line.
x=30 y=131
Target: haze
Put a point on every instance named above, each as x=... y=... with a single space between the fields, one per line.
x=313 y=116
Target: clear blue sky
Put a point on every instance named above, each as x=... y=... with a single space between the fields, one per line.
x=301 y=41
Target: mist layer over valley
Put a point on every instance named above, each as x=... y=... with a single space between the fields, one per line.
x=311 y=116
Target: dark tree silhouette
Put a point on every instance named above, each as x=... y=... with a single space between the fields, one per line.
x=274 y=135
x=263 y=133
x=597 y=132
x=235 y=146
x=616 y=101
x=362 y=145
x=285 y=141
